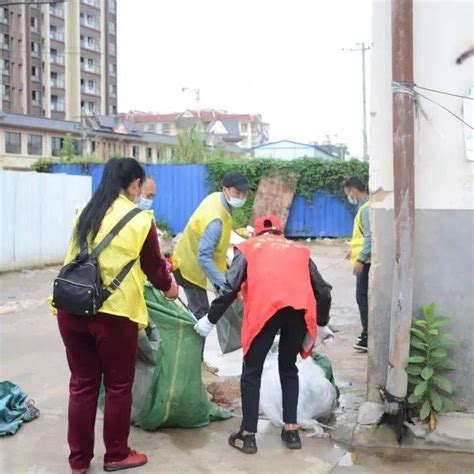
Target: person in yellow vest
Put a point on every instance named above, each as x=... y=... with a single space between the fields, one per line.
x=201 y=252
x=104 y=345
x=360 y=252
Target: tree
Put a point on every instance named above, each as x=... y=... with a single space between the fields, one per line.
x=190 y=146
x=67 y=150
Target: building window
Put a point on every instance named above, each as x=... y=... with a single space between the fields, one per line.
x=136 y=152
x=35 y=145
x=166 y=128
x=5 y=66
x=35 y=49
x=150 y=127
x=6 y=92
x=13 y=142
x=56 y=145
x=34 y=23
x=35 y=96
x=93 y=146
x=149 y=154
x=35 y=73
x=244 y=127
x=4 y=41
x=78 y=146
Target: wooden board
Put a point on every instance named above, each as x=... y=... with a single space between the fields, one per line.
x=274 y=196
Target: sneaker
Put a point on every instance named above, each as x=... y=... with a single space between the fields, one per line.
x=361 y=344
x=133 y=459
x=291 y=438
x=246 y=444
x=210 y=368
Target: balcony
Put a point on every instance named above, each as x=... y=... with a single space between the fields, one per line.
x=90 y=90
x=35 y=79
x=92 y=24
x=35 y=54
x=57 y=59
x=4 y=20
x=91 y=46
x=95 y=69
x=57 y=83
x=4 y=46
x=55 y=11
x=88 y=112
x=58 y=106
x=56 y=35
x=91 y=3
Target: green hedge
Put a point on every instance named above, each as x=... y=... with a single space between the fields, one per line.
x=313 y=174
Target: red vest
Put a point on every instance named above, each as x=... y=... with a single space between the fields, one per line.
x=277 y=276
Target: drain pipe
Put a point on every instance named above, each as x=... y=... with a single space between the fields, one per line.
x=403 y=102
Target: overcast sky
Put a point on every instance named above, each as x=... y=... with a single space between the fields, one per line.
x=281 y=59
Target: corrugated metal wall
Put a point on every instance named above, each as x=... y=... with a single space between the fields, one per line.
x=323 y=216
x=182 y=187
x=37 y=212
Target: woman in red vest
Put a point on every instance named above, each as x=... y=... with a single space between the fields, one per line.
x=282 y=292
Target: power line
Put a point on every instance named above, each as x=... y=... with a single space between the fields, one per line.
x=446 y=109
x=416 y=86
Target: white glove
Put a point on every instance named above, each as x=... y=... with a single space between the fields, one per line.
x=325 y=334
x=204 y=326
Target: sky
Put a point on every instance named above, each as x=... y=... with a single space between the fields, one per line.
x=280 y=59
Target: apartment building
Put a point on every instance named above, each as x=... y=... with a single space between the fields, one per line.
x=243 y=130
x=59 y=60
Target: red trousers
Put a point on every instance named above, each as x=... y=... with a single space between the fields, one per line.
x=99 y=346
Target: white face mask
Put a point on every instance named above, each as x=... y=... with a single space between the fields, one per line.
x=236 y=202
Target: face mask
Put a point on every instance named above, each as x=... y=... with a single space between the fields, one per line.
x=145 y=204
x=236 y=202
x=353 y=201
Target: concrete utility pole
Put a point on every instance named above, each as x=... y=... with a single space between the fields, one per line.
x=403 y=103
x=363 y=48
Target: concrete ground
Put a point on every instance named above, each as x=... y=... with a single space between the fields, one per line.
x=32 y=355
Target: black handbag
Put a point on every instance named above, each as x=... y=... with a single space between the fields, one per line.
x=78 y=289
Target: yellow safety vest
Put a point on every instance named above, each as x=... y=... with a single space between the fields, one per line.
x=185 y=255
x=128 y=299
x=357 y=241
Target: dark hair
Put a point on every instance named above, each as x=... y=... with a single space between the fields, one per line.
x=119 y=173
x=355 y=183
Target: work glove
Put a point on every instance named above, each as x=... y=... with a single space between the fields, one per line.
x=325 y=334
x=204 y=326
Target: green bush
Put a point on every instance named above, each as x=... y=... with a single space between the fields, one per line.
x=44 y=165
x=313 y=174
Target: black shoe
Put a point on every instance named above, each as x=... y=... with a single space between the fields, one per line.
x=291 y=438
x=361 y=344
x=245 y=444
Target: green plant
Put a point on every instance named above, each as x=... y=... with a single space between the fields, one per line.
x=190 y=146
x=44 y=165
x=163 y=225
x=312 y=174
x=429 y=356
x=67 y=150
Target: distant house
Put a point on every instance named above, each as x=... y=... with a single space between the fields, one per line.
x=290 y=150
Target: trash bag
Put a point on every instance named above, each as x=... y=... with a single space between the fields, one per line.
x=317 y=395
x=230 y=326
x=176 y=397
x=326 y=365
x=14 y=408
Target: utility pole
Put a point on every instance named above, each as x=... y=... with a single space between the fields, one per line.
x=403 y=105
x=362 y=47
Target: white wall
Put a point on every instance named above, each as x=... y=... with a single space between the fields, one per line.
x=443 y=176
x=36 y=215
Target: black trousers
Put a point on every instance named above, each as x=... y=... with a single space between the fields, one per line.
x=198 y=302
x=292 y=327
x=362 y=297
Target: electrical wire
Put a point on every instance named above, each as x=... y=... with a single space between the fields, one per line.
x=416 y=86
x=446 y=109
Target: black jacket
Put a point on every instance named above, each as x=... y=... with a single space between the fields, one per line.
x=237 y=275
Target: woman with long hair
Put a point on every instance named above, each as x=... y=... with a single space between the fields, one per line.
x=104 y=346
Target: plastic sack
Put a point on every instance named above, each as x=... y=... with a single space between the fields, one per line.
x=317 y=395
x=176 y=397
x=229 y=327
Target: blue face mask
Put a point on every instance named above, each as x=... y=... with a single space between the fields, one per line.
x=145 y=204
x=353 y=201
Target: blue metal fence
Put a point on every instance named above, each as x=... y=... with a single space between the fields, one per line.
x=182 y=187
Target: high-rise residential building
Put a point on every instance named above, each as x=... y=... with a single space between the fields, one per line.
x=59 y=60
